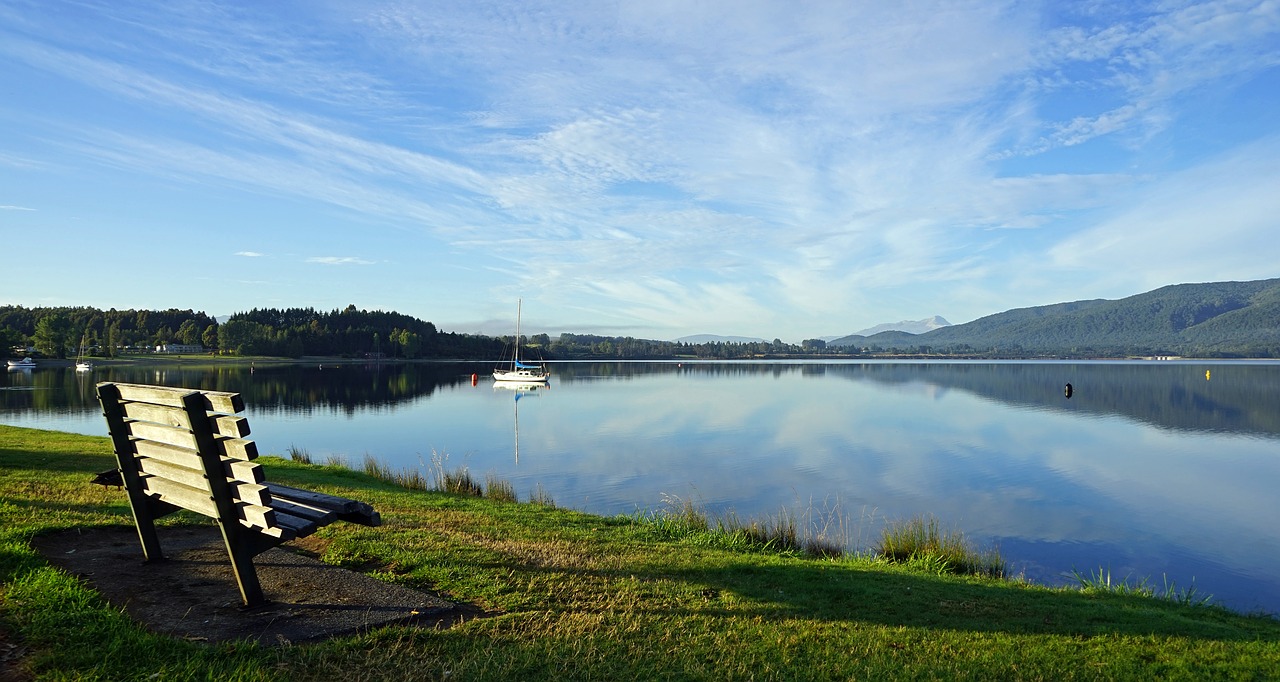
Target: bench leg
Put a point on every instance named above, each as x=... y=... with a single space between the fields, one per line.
x=241 y=554
x=147 y=535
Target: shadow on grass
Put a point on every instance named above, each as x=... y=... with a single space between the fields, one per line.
x=837 y=592
x=71 y=462
x=889 y=597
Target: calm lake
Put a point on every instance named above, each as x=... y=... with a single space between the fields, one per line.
x=1168 y=471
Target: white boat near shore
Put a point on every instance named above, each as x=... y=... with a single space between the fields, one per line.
x=23 y=363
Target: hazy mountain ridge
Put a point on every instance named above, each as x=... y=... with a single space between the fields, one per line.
x=1181 y=319
x=908 y=326
x=716 y=338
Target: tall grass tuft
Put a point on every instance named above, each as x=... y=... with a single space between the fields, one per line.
x=458 y=481
x=499 y=489
x=922 y=543
x=412 y=479
x=542 y=498
x=785 y=531
x=1101 y=581
x=299 y=455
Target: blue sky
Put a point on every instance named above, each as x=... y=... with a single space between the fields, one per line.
x=653 y=169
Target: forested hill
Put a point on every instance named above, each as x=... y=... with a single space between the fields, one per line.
x=1226 y=319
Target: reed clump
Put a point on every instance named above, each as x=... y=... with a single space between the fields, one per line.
x=786 y=531
x=922 y=543
x=412 y=479
x=440 y=478
x=542 y=498
x=499 y=489
x=1101 y=581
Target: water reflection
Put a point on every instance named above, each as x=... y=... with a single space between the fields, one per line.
x=1149 y=469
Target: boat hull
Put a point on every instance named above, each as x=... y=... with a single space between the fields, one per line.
x=523 y=376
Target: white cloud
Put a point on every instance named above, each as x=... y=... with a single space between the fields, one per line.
x=250 y=254
x=15 y=208
x=340 y=260
x=1210 y=222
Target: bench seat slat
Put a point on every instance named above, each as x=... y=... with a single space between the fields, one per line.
x=351 y=511
x=301 y=527
x=315 y=499
x=318 y=516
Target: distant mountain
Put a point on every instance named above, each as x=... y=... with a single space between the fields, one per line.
x=714 y=338
x=1211 y=319
x=909 y=326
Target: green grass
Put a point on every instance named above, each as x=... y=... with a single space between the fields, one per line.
x=583 y=597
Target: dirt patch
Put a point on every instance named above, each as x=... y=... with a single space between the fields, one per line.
x=12 y=658
x=192 y=593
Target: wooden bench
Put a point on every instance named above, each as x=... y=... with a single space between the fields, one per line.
x=180 y=448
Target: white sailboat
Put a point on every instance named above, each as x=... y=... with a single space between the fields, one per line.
x=518 y=371
x=82 y=363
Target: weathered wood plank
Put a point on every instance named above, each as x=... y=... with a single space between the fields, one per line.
x=160 y=414
x=256 y=515
x=169 y=453
x=251 y=493
x=243 y=471
x=315 y=499
x=192 y=478
x=237 y=448
x=215 y=401
x=313 y=514
x=196 y=500
x=280 y=533
x=158 y=395
x=229 y=426
x=351 y=511
x=301 y=527
x=164 y=434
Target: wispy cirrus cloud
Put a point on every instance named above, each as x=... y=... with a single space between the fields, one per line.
x=250 y=254
x=340 y=260
x=15 y=208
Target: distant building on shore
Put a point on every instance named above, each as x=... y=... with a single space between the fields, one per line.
x=180 y=348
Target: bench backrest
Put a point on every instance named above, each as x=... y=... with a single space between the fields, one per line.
x=187 y=448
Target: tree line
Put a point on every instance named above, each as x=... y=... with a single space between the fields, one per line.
x=350 y=332
x=59 y=332
x=294 y=332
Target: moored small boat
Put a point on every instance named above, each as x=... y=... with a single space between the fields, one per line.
x=518 y=371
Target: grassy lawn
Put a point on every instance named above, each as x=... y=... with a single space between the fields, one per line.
x=584 y=597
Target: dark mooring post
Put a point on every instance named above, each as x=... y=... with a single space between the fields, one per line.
x=1067 y=391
